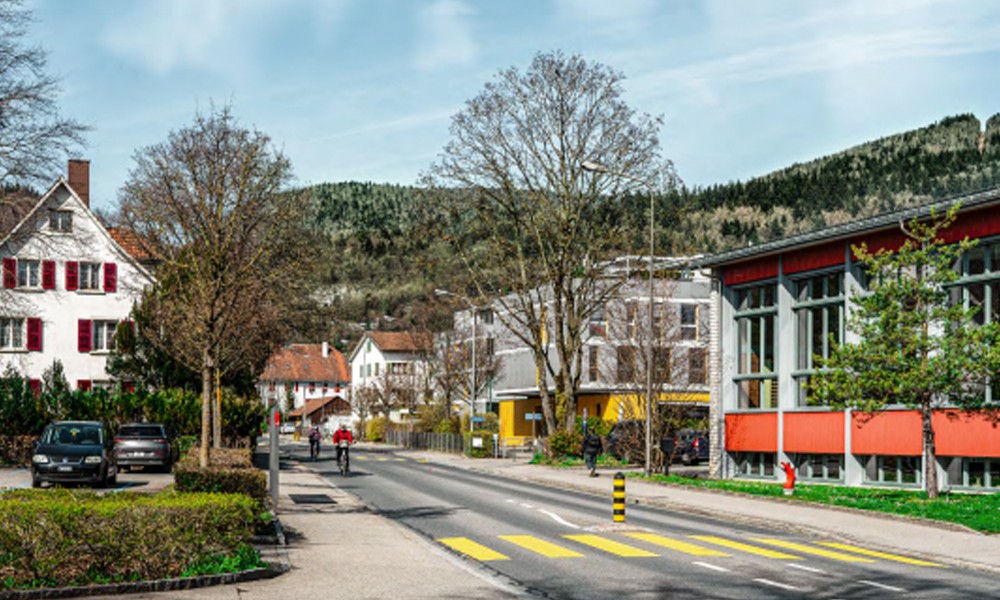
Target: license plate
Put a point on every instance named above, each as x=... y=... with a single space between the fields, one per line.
x=64 y=469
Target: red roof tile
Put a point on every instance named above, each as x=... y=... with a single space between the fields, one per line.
x=305 y=362
x=402 y=341
x=131 y=243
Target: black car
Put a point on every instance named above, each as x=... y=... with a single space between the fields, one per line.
x=74 y=452
x=144 y=445
x=692 y=446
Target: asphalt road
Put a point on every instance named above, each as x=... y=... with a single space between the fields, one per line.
x=562 y=544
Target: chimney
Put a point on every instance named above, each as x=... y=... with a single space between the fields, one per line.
x=79 y=179
x=326 y=350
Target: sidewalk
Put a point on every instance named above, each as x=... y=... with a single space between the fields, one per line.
x=944 y=542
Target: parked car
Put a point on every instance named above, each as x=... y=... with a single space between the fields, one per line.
x=74 y=452
x=286 y=427
x=145 y=445
x=627 y=440
x=692 y=446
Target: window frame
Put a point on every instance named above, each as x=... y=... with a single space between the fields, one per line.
x=28 y=268
x=93 y=271
x=61 y=220
x=753 y=306
x=102 y=342
x=810 y=307
x=10 y=329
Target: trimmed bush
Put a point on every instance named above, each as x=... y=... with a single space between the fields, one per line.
x=563 y=443
x=486 y=451
x=64 y=537
x=230 y=471
x=375 y=429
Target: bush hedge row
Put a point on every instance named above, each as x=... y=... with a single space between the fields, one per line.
x=229 y=471
x=62 y=537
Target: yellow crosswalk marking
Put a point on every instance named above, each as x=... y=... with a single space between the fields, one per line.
x=744 y=547
x=360 y=458
x=547 y=549
x=472 y=549
x=884 y=555
x=814 y=551
x=382 y=459
x=400 y=459
x=678 y=545
x=607 y=545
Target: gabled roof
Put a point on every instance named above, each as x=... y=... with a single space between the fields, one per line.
x=402 y=341
x=130 y=241
x=312 y=406
x=305 y=362
x=14 y=206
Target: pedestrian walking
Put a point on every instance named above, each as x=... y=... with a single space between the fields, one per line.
x=591 y=448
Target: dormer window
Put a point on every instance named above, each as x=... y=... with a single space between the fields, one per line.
x=61 y=220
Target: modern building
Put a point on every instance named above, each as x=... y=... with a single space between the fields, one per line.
x=309 y=382
x=612 y=380
x=781 y=303
x=67 y=284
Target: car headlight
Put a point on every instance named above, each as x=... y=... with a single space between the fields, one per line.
x=40 y=459
x=90 y=460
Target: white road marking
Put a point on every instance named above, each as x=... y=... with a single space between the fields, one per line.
x=511 y=500
x=525 y=505
x=783 y=586
x=881 y=585
x=558 y=519
x=711 y=566
x=805 y=568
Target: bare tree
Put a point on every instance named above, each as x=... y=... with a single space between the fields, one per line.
x=212 y=203
x=512 y=175
x=34 y=138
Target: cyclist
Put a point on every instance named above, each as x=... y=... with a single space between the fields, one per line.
x=342 y=435
x=314 y=437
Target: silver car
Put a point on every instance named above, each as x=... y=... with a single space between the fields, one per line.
x=144 y=445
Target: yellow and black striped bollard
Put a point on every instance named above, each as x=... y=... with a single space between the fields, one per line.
x=619 y=498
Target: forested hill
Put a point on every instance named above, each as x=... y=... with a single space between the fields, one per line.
x=391 y=250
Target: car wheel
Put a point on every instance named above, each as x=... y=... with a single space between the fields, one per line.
x=686 y=459
x=112 y=479
x=35 y=482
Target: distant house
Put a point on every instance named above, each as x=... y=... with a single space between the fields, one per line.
x=67 y=283
x=309 y=382
x=389 y=372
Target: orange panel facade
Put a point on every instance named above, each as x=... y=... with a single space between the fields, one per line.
x=893 y=432
x=814 y=433
x=756 y=432
x=967 y=434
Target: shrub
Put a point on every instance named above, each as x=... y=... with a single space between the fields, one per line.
x=563 y=443
x=375 y=429
x=229 y=471
x=484 y=451
x=72 y=537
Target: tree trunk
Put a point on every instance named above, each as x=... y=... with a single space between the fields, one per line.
x=930 y=452
x=217 y=411
x=206 y=411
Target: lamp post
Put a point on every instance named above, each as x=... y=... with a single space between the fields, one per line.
x=594 y=167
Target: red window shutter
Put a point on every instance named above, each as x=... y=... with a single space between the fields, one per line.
x=34 y=334
x=35 y=385
x=110 y=277
x=10 y=272
x=83 y=334
x=72 y=275
x=48 y=274
x=83 y=384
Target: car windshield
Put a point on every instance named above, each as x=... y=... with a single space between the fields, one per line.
x=141 y=431
x=76 y=435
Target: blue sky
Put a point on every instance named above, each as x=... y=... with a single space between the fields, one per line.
x=364 y=89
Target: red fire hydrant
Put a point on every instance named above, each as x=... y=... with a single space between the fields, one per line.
x=789 y=486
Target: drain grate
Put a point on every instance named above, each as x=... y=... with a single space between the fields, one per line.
x=311 y=499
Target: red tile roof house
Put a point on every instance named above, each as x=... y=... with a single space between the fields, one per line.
x=67 y=282
x=397 y=358
x=310 y=383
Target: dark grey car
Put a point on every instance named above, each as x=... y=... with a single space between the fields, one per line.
x=144 y=445
x=74 y=452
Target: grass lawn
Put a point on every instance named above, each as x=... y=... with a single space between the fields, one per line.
x=975 y=511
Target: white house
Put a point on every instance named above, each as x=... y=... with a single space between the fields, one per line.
x=309 y=381
x=66 y=285
x=390 y=365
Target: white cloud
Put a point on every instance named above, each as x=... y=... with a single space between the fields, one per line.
x=444 y=36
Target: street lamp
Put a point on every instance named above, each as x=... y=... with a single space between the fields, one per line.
x=594 y=167
x=475 y=331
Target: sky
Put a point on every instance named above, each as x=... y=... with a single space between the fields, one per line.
x=364 y=90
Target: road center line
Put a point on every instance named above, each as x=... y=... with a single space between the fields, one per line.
x=525 y=505
x=710 y=566
x=805 y=568
x=558 y=519
x=783 y=586
x=881 y=586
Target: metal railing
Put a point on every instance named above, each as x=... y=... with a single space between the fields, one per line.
x=438 y=442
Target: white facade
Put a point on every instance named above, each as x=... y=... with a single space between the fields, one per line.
x=389 y=358
x=66 y=284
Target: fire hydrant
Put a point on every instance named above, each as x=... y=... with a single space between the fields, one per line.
x=789 y=486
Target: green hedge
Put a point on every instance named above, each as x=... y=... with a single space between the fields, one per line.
x=230 y=471
x=61 y=537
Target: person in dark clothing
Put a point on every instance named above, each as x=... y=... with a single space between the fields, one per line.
x=591 y=448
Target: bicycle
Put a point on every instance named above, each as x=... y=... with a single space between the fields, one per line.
x=343 y=457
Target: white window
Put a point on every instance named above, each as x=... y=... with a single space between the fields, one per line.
x=90 y=276
x=60 y=220
x=689 y=321
x=12 y=334
x=28 y=273
x=104 y=336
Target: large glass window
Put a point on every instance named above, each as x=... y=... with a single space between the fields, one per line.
x=756 y=317
x=754 y=464
x=978 y=287
x=819 y=324
x=903 y=470
x=823 y=467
